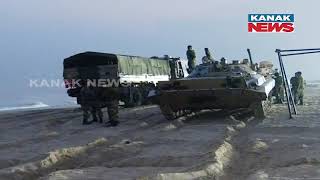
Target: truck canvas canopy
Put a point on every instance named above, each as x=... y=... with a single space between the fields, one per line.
x=126 y=65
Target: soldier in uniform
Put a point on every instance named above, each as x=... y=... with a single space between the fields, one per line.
x=90 y=104
x=191 y=56
x=256 y=67
x=294 y=86
x=223 y=61
x=217 y=66
x=113 y=113
x=279 y=90
x=246 y=61
x=111 y=99
x=223 y=64
x=297 y=88
x=207 y=58
x=300 y=88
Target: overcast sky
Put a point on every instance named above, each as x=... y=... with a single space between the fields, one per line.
x=36 y=35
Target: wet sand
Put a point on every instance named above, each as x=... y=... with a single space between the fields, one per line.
x=281 y=148
x=52 y=144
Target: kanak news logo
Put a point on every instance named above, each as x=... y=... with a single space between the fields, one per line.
x=273 y=23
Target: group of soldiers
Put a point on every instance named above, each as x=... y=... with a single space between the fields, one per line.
x=208 y=58
x=93 y=100
x=191 y=56
x=297 y=88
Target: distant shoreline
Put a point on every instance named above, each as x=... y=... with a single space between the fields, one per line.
x=12 y=110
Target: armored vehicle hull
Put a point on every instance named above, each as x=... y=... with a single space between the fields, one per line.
x=227 y=89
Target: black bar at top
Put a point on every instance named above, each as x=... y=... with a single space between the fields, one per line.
x=292 y=50
x=294 y=54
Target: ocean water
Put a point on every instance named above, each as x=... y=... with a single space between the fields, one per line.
x=35 y=99
x=36 y=105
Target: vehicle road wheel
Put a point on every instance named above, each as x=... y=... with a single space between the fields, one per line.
x=258 y=109
x=167 y=112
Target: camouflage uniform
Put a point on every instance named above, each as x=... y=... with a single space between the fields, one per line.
x=217 y=66
x=279 y=90
x=191 y=55
x=113 y=111
x=223 y=63
x=300 y=89
x=90 y=104
x=207 y=58
x=297 y=83
x=111 y=98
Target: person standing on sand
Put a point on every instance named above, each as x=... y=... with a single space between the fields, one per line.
x=279 y=89
x=90 y=104
x=300 y=88
x=110 y=96
x=297 y=89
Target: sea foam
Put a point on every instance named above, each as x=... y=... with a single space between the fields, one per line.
x=36 y=105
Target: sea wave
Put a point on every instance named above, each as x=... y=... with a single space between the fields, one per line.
x=36 y=105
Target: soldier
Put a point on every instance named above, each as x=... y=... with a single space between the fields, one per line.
x=207 y=58
x=297 y=88
x=245 y=61
x=293 y=82
x=217 y=66
x=191 y=56
x=223 y=63
x=279 y=90
x=110 y=96
x=300 y=88
x=256 y=67
x=113 y=113
x=90 y=104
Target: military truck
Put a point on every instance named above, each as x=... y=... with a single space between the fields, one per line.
x=131 y=76
x=217 y=86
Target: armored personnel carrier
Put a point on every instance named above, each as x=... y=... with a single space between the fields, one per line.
x=130 y=77
x=239 y=85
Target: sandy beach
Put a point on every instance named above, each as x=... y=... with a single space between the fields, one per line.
x=52 y=144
